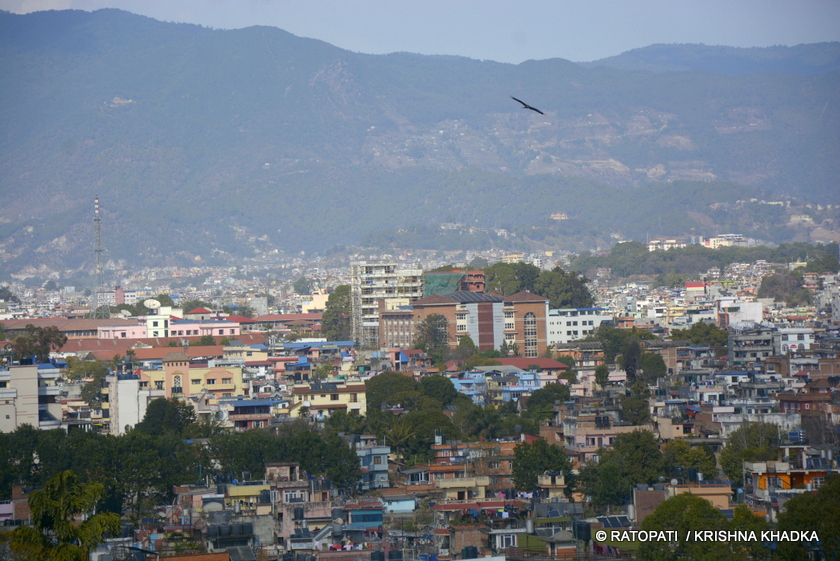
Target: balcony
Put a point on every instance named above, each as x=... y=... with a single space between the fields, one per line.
x=479 y=481
x=249 y=416
x=220 y=387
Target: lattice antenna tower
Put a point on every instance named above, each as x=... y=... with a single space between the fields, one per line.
x=100 y=309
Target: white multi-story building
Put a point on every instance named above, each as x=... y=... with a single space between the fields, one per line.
x=372 y=282
x=570 y=324
x=792 y=340
x=28 y=397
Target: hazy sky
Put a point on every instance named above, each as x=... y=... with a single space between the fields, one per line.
x=501 y=30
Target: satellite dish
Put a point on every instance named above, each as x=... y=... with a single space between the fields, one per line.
x=125 y=313
x=674 y=482
x=151 y=303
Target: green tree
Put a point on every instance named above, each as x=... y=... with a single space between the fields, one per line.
x=432 y=335
x=531 y=460
x=755 y=442
x=567 y=360
x=166 y=415
x=91 y=391
x=204 y=341
x=633 y=459
x=335 y=323
x=246 y=311
x=540 y=404
x=465 y=349
x=383 y=387
x=303 y=285
x=55 y=534
x=813 y=512
x=6 y=295
x=510 y=278
x=563 y=290
x=479 y=360
x=615 y=341
x=653 y=366
x=509 y=348
x=602 y=375
x=348 y=423
x=190 y=305
x=685 y=514
x=165 y=300
x=424 y=423
x=634 y=407
x=399 y=434
x=602 y=483
x=705 y=334
x=679 y=453
x=785 y=286
x=439 y=388
x=37 y=342
x=630 y=360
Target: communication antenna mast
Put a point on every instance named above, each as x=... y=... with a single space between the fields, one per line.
x=100 y=309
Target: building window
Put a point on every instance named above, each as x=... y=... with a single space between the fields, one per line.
x=354 y=398
x=377 y=460
x=509 y=326
x=227 y=380
x=775 y=483
x=460 y=327
x=333 y=397
x=530 y=335
x=195 y=381
x=211 y=381
x=159 y=385
x=510 y=336
x=507 y=540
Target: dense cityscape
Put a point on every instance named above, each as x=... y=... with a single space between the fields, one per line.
x=412 y=408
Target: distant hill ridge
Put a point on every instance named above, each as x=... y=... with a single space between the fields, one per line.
x=208 y=145
x=806 y=60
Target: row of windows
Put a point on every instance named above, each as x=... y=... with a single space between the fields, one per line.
x=799 y=337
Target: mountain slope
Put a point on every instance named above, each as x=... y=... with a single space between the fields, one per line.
x=225 y=144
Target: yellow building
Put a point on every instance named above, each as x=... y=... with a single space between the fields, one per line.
x=245 y=496
x=179 y=379
x=323 y=398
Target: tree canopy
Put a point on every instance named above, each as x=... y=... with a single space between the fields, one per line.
x=684 y=514
x=541 y=402
x=432 y=335
x=634 y=458
x=166 y=415
x=563 y=289
x=335 y=323
x=55 y=534
x=754 y=442
x=531 y=460
x=37 y=342
x=700 y=333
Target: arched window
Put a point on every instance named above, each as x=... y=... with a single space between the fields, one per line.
x=530 y=335
x=176 y=381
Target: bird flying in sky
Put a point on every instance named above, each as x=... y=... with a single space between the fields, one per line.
x=526 y=106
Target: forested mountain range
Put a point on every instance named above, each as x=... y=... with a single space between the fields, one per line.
x=214 y=145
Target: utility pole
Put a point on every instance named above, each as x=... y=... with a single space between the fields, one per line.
x=100 y=308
